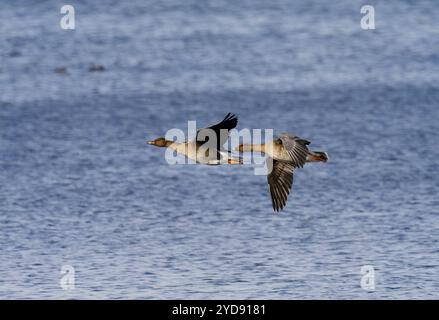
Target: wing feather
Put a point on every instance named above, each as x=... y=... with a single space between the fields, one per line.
x=280 y=181
x=296 y=148
x=220 y=129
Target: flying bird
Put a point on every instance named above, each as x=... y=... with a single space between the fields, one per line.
x=285 y=154
x=207 y=147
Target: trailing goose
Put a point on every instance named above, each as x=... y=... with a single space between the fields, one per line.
x=285 y=154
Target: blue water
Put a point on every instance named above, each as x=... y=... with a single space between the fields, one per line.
x=79 y=186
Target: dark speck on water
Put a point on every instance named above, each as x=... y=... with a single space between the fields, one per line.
x=79 y=186
x=96 y=67
x=60 y=70
x=14 y=54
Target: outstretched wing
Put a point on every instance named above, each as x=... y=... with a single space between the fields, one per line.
x=296 y=148
x=221 y=130
x=280 y=181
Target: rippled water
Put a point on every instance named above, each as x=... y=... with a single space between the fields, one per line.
x=79 y=186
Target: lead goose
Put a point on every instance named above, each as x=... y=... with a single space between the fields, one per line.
x=285 y=154
x=200 y=150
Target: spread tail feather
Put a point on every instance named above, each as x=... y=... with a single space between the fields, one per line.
x=317 y=156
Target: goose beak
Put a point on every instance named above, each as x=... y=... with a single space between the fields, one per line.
x=150 y=142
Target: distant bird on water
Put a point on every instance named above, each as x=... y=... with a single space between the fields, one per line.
x=285 y=154
x=200 y=150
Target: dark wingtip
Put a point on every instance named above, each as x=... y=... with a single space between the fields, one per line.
x=230 y=116
x=231 y=119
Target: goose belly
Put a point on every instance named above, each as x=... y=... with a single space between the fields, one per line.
x=195 y=153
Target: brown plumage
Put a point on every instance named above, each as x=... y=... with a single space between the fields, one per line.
x=285 y=154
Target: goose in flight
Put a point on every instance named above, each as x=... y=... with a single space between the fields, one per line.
x=207 y=147
x=285 y=154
